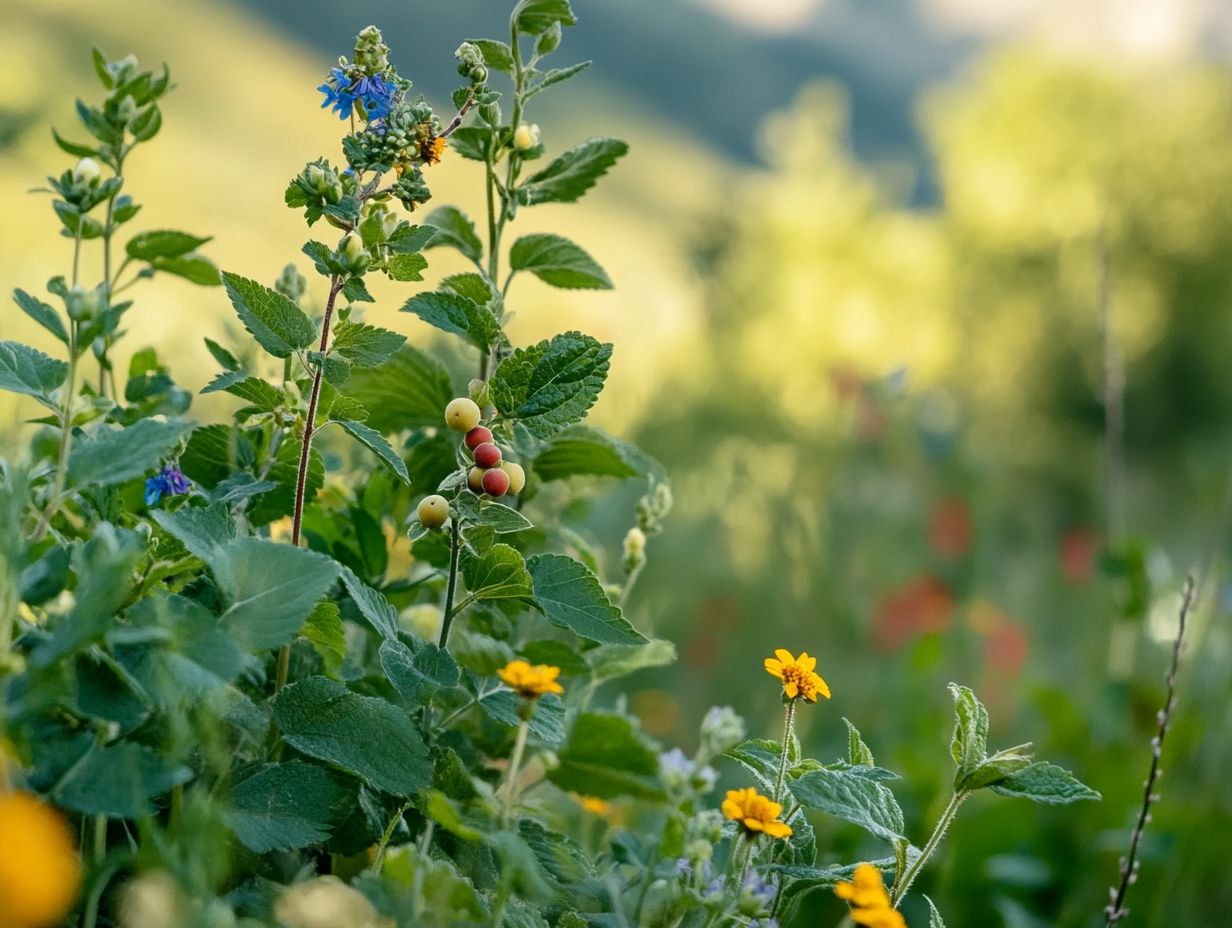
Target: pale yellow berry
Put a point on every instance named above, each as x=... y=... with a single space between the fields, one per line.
x=517 y=476
x=462 y=414
x=433 y=511
x=474 y=479
x=87 y=171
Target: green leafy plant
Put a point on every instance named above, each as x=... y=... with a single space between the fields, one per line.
x=253 y=712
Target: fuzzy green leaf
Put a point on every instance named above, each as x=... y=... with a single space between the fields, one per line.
x=571 y=174
x=108 y=455
x=118 y=780
x=1046 y=783
x=410 y=390
x=458 y=315
x=934 y=917
x=278 y=325
x=499 y=574
x=27 y=370
x=252 y=390
x=852 y=797
x=557 y=261
x=368 y=737
x=280 y=807
x=550 y=386
x=581 y=450
x=606 y=756
x=162 y=243
x=571 y=597
x=375 y=442
x=193 y=268
x=272 y=588
x=969 y=743
x=455 y=229
x=41 y=313
x=533 y=17
x=324 y=630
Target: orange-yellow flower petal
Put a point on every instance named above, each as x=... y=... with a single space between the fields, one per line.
x=528 y=681
x=39 y=868
x=757 y=813
x=798 y=675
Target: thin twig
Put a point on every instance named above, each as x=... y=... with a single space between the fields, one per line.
x=1115 y=911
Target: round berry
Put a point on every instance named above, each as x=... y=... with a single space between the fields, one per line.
x=433 y=511
x=462 y=414
x=495 y=482
x=487 y=455
x=517 y=476
x=477 y=436
x=474 y=479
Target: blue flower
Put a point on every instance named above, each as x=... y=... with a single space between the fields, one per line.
x=169 y=481
x=376 y=95
x=338 y=95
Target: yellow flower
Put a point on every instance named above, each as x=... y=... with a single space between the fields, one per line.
x=39 y=868
x=870 y=903
x=530 y=682
x=595 y=805
x=755 y=812
x=798 y=675
x=433 y=149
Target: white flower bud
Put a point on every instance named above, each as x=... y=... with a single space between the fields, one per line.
x=87 y=171
x=526 y=137
x=325 y=902
x=423 y=621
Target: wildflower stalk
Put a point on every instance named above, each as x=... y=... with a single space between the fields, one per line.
x=789 y=722
x=451 y=585
x=66 y=415
x=305 y=456
x=511 y=775
x=108 y=283
x=1115 y=910
x=379 y=858
x=903 y=881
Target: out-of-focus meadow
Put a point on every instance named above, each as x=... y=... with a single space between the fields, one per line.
x=870 y=313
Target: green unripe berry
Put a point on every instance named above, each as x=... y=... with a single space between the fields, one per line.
x=352 y=252
x=462 y=414
x=433 y=511
x=517 y=476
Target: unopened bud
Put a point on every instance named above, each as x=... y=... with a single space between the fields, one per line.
x=526 y=137
x=352 y=251
x=87 y=171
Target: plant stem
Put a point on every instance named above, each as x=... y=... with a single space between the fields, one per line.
x=305 y=456
x=388 y=836
x=100 y=838
x=1116 y=910
x=451 y=586
x=66 y=416
x=789 y=721
x=903 y=882
x=511 y=775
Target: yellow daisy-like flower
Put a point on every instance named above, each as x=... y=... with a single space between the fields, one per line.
x=798 y=675
x=39 y=868
x=755 y=812
x=433 y=149
x=595 y=806
x=528 y=681
x=870 y=903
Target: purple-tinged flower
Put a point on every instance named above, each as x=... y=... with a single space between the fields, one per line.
x=376 y=95
x=756 y=895
x=683 y=867
x=170 y=481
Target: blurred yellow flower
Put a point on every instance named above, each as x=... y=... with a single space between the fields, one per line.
x=40 y=871
x=433 y=150
x=798 y=675
x=528 y=681
x=595 y=806
x=870 y=903
x=755 y=812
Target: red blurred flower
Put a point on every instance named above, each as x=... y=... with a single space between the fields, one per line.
x=921 y=606
x=1005 y=648
x=1078 y=549
x=949 y=528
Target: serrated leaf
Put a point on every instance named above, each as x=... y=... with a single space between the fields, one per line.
x=27 y=370
x=994 y=769
x=854 y=798
x=547 y=724
x=499 y=574
x=455 y=229
x=324 y=630
x=495 y=54
x=1046 y=783
x=41 y=313
x=368 y=737
x=571 y=597
x=162 y=243
x=376 y=443
x=557 y=261
x=271 y=589
x=204 y=531
x=501 y=519
x=454 y=313
x=406 y=267
x=108 y=455
x=225 y=358
x=969 y=743
x=280 y=807
x=471 y=142
x=193 y=268
x=858 y=753
x=934 y=917
x=119 y=780
x=367 y=345
x=410 y=390
x=408 y=239
x=252 y=390
x=551 y=385
x=581 y=450
x=556 y=76
x=571 y=174
x=609 y=661
x=606 y=756
x=278 y=325
x=375 y=608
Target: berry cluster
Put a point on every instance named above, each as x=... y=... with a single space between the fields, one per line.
x=491 y=474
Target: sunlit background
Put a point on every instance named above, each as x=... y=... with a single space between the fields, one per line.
x=881 y=265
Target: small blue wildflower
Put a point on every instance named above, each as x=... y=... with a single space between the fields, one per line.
x=169 y=481
x=756 y=888
x=683 y=867
x=338 y=95
x=376 y=95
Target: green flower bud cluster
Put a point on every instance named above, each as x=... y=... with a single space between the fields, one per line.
x=83 y=305
x=407 y=137
x=352 y=254
x=411 y=189
x=291 y=283
x=653 y=508
x=371 y=53
x=722 y=729
x=470 y=63
x=316 y=188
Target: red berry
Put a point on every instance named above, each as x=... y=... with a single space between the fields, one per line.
x=487 y=455
x=495 y=482
x=477 y=436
